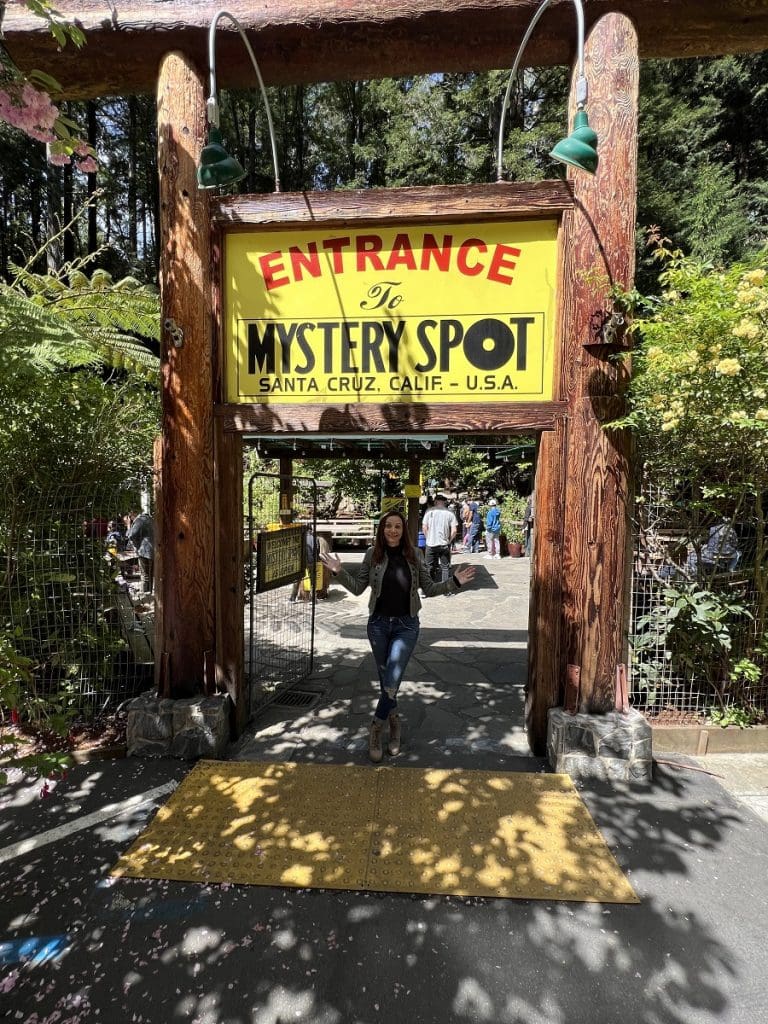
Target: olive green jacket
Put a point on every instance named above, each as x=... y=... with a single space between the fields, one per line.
x=370 y=575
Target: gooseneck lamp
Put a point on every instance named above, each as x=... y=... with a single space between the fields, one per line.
x=579 y=149
x=217 y=168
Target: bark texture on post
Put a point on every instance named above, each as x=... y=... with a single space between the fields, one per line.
x=185 y=519
x=584 y=493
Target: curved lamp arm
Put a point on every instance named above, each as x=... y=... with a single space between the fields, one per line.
x=212 y=104
x=581 y=81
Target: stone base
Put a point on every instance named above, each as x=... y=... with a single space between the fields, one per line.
x=612 y=746
x=188 y=728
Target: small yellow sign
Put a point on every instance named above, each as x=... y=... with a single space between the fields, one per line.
x=394 y=505
x=443 y=313
x=280 y=556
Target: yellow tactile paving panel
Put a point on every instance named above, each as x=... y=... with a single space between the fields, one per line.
x=447 y=831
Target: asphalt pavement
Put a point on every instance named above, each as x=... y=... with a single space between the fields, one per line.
x=78 y=945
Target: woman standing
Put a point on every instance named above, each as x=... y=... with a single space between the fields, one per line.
x=394 y=570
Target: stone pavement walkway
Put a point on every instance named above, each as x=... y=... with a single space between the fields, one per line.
x=463 y=700
x=463 y=695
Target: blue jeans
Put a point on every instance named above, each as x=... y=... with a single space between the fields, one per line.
x=392 y=641
x=473 y=539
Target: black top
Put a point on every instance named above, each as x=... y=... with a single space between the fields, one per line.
x=395 y=597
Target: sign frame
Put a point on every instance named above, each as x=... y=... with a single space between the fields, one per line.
x=293 y=536
x=436 y=204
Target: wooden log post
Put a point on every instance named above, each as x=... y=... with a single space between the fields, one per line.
x=579 y=598
x=414 y=478
x=186 y=512
x=230 y=568
x=286 y=489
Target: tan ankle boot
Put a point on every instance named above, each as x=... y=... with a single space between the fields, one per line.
x=375 y=750
x=394 y=734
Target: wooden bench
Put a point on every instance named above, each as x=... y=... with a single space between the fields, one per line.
x=350 y=530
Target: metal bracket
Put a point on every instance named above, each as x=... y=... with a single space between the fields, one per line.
x=175 y=332
x=608 y=333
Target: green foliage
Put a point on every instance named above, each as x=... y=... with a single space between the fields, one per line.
x=64 y=319
x=699 y=392
x=71 y=429
x=735 y=714
x=703 y=155
x=18 y=699
x=463 y=466
x=59 y=27
x=689 y=635
x=512 y=508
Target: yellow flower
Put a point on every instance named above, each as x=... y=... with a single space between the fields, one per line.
x=754 y=276
x=729 y=367
x=761 y=414
x=758 y=393
x=746 y=329
x=653 y=353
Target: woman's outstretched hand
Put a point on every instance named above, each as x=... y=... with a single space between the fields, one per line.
x=331 y=561
x=465 y=574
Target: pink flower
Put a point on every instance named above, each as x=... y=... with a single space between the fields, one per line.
x=88 y=166
x=58 y=159
x=29 y=109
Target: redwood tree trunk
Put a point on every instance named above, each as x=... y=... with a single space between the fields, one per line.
x=185 y=515
x=584 y=474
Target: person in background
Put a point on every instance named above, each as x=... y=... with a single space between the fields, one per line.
x=394 y=570
x=475 y=526
x=466 y=523
x=115 y=539
x=440 y=527
x=721 y=552
x=492 y=530
x=141 y=533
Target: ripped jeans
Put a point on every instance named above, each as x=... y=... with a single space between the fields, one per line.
x=392 y=641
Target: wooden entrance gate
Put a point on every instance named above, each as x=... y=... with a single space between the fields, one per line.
x=280 y=585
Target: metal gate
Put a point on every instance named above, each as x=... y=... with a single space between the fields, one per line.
x=280 y=599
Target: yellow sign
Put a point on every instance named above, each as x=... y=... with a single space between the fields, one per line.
x=436 y=313
x=280 y=556
x=394 y=505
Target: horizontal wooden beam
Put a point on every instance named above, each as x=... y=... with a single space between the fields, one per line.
x=302 y=41
x=444 y=202
x=400 y=418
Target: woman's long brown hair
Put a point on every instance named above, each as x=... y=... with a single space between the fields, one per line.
x=406 y=544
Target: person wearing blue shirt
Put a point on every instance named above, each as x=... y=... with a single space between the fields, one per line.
x=492 y=530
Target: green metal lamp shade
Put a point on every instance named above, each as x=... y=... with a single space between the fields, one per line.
x=217 y=167
x=580 y=148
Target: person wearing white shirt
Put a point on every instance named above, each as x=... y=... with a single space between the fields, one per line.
x=440 y=527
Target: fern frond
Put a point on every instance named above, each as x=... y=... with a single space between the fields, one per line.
x=65 y=319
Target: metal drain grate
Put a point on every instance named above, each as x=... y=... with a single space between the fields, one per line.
x=297 y=699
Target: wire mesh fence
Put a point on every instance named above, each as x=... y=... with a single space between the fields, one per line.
x=70 y=598
x=698 y=618
x=280 y=619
